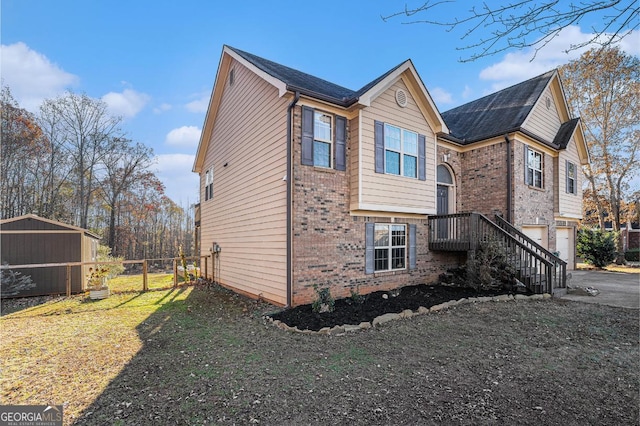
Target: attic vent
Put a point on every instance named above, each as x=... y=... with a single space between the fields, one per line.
x=232 y=76
x=548 y=102
x=401 y=98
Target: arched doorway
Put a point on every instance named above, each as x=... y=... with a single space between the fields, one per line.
x=445 y=200
x=445 y=196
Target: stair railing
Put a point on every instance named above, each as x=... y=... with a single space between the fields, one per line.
x=560 y=265
x=539 y=269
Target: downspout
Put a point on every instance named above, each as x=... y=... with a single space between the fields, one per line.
x=290 y=196
x=509 y=173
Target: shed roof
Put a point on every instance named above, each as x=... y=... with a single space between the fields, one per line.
x=32 y=222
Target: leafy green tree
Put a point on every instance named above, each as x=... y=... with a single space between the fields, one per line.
x=597 y=247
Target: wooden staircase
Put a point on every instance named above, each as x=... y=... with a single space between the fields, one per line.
x=536 y=267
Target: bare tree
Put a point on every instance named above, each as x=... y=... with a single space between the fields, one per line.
x=526 y=23
x=604 y=93
x=86 y=130
x=124 y=165
x=22 y=144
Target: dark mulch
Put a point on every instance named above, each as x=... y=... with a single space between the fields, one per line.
x=368 y=307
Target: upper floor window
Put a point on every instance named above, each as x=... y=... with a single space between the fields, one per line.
x=572 y=178
x=322 y=139
x=400 y=151
x=208 y=184
x=534 y=168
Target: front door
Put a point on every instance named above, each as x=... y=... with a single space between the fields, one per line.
x=443 y=208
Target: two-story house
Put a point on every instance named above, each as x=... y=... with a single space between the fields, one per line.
x=306 y=183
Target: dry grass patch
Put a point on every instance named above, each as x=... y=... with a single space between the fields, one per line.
x=68 y=350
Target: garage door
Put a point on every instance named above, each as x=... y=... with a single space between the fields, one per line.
x=566 y=246
x=537 y=234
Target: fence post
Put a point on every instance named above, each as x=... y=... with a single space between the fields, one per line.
x=145 y=283
x=68 y=280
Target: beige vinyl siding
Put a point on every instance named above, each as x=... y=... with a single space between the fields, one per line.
x=569 y=205
x=543 y=121
x=378 y=191
x=247 y=215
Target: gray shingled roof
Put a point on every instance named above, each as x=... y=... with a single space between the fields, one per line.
x=307 y=83
x=565 y=132
x=495 y=114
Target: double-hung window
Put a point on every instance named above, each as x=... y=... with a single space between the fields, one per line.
x=572 y=177
x=322 y=139
x=400 y=151
x=534 y=168
x=208 y=184
x=390 y=247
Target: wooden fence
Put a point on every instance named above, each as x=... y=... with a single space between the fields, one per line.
x=176 y=263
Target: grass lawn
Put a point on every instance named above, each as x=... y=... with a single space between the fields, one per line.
x=193 y=355
x=128 y=283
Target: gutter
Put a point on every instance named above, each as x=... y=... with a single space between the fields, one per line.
x=343 y=102
x=290 y=196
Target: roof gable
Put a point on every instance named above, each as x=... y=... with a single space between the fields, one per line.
x=288 y=79
x=498 y=113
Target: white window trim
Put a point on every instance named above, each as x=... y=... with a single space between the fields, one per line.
x=208 y=184
x=390 y=248
x=401 y=152
x=541 y=170
x=329 y=141
x=574 y=178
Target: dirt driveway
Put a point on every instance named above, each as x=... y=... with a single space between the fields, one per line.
x=616 y=288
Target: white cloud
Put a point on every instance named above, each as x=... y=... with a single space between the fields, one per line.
x=441 y=96
x=467 y=93
x=181 y=184
x=31 y=76
x=185 y=136
x=519 y=66
x=127 y=104
x=162 y=108
x=199 y=105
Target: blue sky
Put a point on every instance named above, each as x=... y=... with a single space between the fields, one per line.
x=154 y=62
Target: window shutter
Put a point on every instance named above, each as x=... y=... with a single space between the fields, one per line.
x=422 y=175
x=412 y=246
x=340 y=148
x=526 y=166
x=369 y=254
x=566 y=177
x=307 y=136
x=379 y=142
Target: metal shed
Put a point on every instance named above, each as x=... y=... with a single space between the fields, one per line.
x=32 y=239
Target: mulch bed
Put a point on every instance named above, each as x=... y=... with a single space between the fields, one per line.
x=370 y=306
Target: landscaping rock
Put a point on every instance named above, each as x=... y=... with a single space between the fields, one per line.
x=384 y=318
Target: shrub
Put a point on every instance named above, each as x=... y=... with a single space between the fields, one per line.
x=489 y=269
x=324 y=301
x=596 y=247
x=632 y=255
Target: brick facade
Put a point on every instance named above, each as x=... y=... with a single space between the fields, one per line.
x=329 y=243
